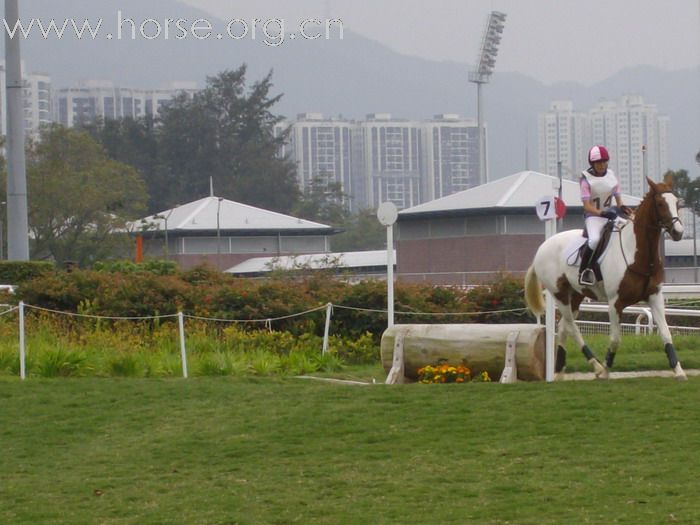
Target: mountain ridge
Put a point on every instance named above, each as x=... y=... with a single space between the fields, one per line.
x=354 y=77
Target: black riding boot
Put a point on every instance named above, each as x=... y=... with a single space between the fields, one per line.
x=586 y=275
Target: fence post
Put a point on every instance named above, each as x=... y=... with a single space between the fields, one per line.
x=183 y=350
x=329 y=312
x=22 y=353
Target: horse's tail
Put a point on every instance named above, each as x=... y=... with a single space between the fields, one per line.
x=533 y=292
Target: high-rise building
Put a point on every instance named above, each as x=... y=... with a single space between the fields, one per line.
x=393 y=160
x=96 y=98
x=564 y=137
x=451 y=156
x=37 y=98
x=322 y=151
x=383 y=158
x=633 y=131
x=638 y=138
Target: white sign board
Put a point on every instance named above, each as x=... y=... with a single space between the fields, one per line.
x=387 y=213
x=546 y=208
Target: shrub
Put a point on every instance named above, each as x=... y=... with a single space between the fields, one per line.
x=18 y=272
x=153 y=266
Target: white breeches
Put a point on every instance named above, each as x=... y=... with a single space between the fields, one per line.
x=594 y=227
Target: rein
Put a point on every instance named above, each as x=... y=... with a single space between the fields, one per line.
x=659 y=226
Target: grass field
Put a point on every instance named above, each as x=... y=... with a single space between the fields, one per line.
x=278 y=451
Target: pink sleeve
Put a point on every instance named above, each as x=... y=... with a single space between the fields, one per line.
x=585 y=189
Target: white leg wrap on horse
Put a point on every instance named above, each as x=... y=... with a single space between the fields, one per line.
x=679 y=373
x=600 y=371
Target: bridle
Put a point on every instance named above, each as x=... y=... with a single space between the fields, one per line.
x=668 y=227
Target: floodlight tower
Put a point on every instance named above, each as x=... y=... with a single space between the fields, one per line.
x=481 y=75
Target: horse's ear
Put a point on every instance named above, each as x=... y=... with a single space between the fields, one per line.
x=652 y=184
x=668 y=180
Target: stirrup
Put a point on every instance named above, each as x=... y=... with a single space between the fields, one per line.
x=587 y=277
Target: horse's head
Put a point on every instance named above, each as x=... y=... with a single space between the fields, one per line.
x=666 y=203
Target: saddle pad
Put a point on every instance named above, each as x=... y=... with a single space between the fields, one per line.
x=571 y=251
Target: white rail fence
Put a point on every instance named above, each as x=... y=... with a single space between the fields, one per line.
x=643 y=325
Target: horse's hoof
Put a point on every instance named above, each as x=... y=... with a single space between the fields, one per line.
x=679 y=373
x=559 y=376
x=600 y=371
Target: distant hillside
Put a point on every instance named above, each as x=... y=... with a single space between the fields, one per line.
x=351 y=77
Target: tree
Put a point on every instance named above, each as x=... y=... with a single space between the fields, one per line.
x=687 y=189
x=133 y=142
x=323 y=201
x=78 y=197
x=362 y=232
x=225 y=132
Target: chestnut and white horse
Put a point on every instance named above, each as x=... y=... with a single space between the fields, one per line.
x=632 y=271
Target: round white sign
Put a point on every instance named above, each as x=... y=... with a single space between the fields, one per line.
x=387 y=213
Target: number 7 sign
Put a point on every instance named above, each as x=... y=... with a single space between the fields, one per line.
x=549 y=207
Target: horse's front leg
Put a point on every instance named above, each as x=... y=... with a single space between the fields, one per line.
x=614 y=316
x=656 y=302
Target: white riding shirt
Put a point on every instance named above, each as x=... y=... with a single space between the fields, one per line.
x=599 y=190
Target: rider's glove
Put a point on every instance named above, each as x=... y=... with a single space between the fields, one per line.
x=608 y=214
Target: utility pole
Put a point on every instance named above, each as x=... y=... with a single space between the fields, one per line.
x=17 y=214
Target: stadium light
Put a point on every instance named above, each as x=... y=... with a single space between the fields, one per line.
x=485 y=64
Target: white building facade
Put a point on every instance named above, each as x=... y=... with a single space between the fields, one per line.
x=451 y=156
x=382 y=158
x=94 y=99
x=37 y=101
x=322 y=150
x=633 y=131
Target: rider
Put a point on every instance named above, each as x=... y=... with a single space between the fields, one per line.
x=598 y=188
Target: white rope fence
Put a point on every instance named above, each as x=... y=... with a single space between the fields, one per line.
x=22 y=307
x=181 y=317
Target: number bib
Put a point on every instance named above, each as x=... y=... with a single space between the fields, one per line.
x=602 y=188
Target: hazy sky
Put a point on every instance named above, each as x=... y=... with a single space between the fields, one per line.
x=551 y=40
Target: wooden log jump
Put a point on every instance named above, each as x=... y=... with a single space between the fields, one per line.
x=482 y=347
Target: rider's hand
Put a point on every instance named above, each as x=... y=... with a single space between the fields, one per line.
x=626 y=210
x=608 y=214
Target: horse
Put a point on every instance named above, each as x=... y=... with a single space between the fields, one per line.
x=632 y=271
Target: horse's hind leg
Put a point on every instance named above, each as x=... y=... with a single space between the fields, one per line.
x=656 y=302
x=570 y=311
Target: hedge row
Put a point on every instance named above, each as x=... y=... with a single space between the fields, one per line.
x=17 y=272
x=208 y=293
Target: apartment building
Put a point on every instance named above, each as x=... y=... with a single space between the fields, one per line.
x=633 y=131
x=99 y=98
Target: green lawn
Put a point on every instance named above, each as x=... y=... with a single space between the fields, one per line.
x=278 y=451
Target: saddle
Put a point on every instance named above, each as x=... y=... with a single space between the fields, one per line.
x=605 y=235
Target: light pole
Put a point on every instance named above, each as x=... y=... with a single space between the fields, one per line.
x=17 y=214
x=165 y=221
x=218 y=233
x=486 y=62
x=2 y=233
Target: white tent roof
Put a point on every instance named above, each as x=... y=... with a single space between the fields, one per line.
x=313 y=261
x=201 y=215
x=520 y=190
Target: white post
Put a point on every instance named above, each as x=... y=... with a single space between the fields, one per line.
x=387 y=215
x=390 y=273
x=326 y=332
x=22 y=353
x=183 y=350
x=550 y=315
